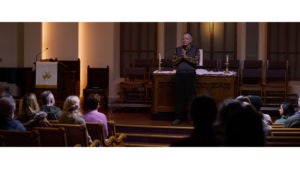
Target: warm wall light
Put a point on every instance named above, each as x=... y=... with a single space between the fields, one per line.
x=211 y=27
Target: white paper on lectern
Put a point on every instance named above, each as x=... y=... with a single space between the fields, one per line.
x=46 y=73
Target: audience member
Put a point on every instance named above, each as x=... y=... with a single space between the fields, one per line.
x=7 y=110
x=294 y=120
x=242 y=124
x=93 y=115
x=30 y=114
x=286 y=110
x=48 y=105
x=203 y=112
x=256 y=102
x=71 y=112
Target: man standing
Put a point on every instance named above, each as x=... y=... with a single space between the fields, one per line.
x=185 y=59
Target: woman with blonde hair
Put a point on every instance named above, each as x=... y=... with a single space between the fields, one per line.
x=71 y=111
x=30 y=114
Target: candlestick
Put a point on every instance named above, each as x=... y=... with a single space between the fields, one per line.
x=227 y=58
x=201 y=57
x=159 y=62
x=227 y=67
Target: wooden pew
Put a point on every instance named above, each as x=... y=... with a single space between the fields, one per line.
x=282 y=133
x=96 y=131
x=52 y=137
x=277 y=125
x=283 y=141
x=76 y=134
x=20 y=138
x=285 y=130
x=119 y=138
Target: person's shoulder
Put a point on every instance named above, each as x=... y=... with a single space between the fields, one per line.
x=194 y=47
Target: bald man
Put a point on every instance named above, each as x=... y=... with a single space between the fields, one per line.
x=185 y=59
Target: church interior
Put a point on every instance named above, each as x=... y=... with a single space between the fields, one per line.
x=129 y=65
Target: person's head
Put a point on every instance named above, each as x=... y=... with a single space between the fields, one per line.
x=244 y=128
x=286 y=109
x=7 y=106
x=203 y=110
x=242 y=98
x=228 y=108
x=47 y=98
x=5 y=91
x=30 y=104
x=93 y=101
x=256 y=102
x=187 y=39
x=72 y=103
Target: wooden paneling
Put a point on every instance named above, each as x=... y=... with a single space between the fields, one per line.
x=219 y=87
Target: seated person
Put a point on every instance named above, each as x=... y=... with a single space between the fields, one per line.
x=93 y=115
x=30 y=114
x=203 y=112
x=294 y=120
x=48 y=101
x=71 y=112
x=286 y=110
x=256 y=102
x=7 y=109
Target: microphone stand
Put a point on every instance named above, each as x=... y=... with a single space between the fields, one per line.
x=37 y=56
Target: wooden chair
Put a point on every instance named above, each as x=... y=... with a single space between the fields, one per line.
x=96 y=131
x=282 y=133
x=14 y=138
x=119 y=138
x=283 y=129
x=133 y=88
x=144 y=63
x=276 y=79
x=52 y=137
x=277 y=125
x=283 y=141
x=76 y=134
x=97 y=82
x=251 y=81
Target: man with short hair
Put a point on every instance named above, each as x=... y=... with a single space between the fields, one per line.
x=48 y=106
x=186 y=58
x=93 y=115
x=7 y=110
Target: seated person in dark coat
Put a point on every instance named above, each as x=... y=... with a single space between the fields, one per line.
x=203 y=112
x=294 y=120
x=7 y=109
x=48 y=106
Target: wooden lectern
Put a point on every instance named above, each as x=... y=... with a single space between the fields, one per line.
x=62 y=78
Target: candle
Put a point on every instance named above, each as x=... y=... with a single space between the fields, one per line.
x=227 y=58
x=159 y=62
x=201 y=57
x=159 y=57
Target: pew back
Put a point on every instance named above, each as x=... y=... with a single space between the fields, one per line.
x=20 y=138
